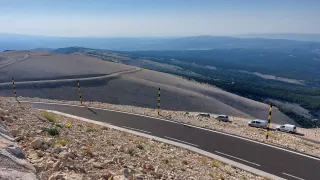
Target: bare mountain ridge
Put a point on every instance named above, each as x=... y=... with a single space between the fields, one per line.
x=137 y=88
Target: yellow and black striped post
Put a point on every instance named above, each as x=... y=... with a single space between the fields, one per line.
x=269 y=120
x=14 y=89
x=159 y=101
x=79 y=91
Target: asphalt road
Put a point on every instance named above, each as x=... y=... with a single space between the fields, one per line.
x=277 y=161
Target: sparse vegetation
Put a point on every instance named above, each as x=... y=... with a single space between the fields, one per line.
x=61 y=142
x=40 y=154
x=216 y=164
x=49 y=116
x=51 y=130
x=131 y=151
x=68 y=125
x=87 y=151
x=307 y=143
x=25 y=106
x=90 y=129
x=139 y=146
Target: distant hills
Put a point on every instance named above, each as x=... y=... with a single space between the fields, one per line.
x=19 y=42
x=288 y=36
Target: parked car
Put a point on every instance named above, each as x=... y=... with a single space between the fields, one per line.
x=223 y=118
x=287 y=128
x=203 y=114
x=258 y=123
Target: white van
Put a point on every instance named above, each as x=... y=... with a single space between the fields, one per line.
x=223 y=118
x=258 y=123
x=287 y=128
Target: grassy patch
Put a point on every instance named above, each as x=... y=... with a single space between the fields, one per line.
x=90 y=129
x=307 y=143
x=216 y=164
x=49 y=116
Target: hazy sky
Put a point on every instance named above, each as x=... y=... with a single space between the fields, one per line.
x=158 y=17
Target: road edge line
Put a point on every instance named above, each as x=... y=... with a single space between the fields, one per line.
x=177 y=144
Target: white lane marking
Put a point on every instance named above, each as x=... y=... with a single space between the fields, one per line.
x=184 y=142
x=293 y=176
x=231 y=135
x=134 y=129
x=237 y=158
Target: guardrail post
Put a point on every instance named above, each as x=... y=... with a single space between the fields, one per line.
x=79 y=92
x=269 y=120
x=14 y=89
x=159 y=101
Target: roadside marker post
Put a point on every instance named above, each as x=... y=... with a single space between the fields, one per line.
x=269 y=120
x=159 y=101
x=14 y=89
x=79 y=91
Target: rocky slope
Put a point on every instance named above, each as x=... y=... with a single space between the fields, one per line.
x=64 y=148
x=12 y=162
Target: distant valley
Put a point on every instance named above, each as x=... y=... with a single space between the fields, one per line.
x=224 y=69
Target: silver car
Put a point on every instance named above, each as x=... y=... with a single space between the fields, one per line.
x=223 y=118
x=258 y=123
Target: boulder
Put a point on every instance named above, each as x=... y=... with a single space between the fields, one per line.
x=65 y=176
x=108 y=175
x=56 y=175
x=127 y=172
x=56 y=165
x=119 y=177
x=97 y=165
x=15 y=132
x=63 y=155
x=16 y=151
x=41 y=118
x=36 y=144
x=7 y=119
x=18 y=138
x=3 y=113
x=60 y=149
x=91 y=161
x=48 y=164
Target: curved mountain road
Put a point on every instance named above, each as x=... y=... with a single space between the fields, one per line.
x=75 y=79
x=278 y=161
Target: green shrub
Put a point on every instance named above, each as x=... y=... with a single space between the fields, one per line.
x=52 y=130
x=139 y=146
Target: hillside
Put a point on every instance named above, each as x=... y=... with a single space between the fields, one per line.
x=135 y=88
x=296 y=94
x=42 y=65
